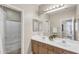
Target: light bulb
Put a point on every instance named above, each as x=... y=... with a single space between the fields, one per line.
x=54 y=7
x=61 y=4
x=50 y=7
x=57 y=6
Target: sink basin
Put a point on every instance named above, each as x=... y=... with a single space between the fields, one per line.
x=66 y=42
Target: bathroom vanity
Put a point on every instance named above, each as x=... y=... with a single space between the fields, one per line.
x=62 y=23
x=43 y=45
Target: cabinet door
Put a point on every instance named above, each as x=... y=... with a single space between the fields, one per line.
x=42 y=48
x=50 y=49
x=35 y=47
x=58 y=50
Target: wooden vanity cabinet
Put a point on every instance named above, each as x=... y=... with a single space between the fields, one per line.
x=54 y=50
x=57 y=50
x=42 y=48
x=50 y=50
x=39 y=48
x=35 y=47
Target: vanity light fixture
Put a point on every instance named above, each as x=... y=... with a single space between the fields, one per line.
x=55 y=6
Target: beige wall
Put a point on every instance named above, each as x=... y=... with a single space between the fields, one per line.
x=57 y=18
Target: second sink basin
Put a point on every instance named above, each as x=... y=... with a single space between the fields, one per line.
x=66 y=42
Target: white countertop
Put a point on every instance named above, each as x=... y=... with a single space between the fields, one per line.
x=69 y=45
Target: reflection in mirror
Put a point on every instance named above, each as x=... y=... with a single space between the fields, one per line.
x=62 y=19
x=67 y=28
x=62 y=22
x=37 y=25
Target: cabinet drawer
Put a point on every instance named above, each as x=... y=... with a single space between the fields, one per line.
x=34 y=42
x=43 y=48
x=35 y=47
x=42 y=44
x=58 y=50
x=50 y=47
